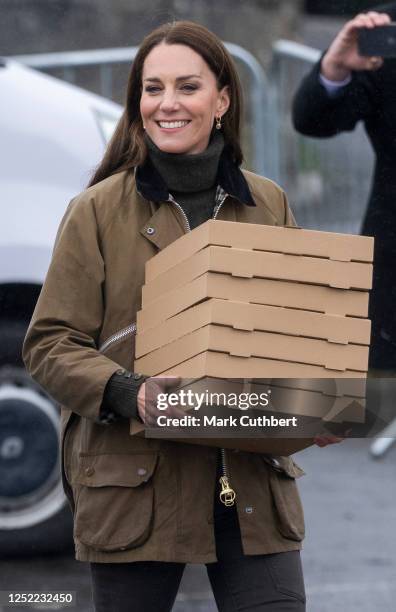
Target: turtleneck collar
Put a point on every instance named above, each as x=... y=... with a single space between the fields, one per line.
x=186 y=173
x=151 y=185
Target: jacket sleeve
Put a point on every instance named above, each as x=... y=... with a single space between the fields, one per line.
x=315 y=113
x=60 y=348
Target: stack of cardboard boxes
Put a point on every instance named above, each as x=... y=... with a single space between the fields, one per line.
x=242 y=301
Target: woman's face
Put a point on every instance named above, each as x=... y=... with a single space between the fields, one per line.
x=180 y=99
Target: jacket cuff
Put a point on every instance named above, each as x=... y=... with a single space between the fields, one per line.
x=340 y=88
x=120 y=397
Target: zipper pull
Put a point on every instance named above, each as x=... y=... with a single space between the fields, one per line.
x=227 y=495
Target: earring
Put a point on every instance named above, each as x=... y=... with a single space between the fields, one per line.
x=218 y=123
x=144 y=127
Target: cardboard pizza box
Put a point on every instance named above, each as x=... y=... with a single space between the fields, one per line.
x=302 y=296
x=290 y=240
x=246 y=316
x=223 y=365
x=278 y=447
x=347 y=404
x=333 y=387
x=231 y=300
x=245 y=344
x=261 y=264
x=313 y=410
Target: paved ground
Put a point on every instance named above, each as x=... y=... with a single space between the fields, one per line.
x=349 y=554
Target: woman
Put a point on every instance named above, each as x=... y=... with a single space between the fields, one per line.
x=145 y=507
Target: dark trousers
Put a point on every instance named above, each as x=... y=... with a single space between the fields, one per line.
x=267 y=583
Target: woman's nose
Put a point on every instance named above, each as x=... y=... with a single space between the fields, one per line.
x=169 y=101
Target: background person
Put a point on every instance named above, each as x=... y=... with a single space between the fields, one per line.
x=342 y=89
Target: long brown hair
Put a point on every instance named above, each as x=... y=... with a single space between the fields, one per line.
x=127 y=148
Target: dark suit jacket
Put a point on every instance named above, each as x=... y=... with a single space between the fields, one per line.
x=370 y=97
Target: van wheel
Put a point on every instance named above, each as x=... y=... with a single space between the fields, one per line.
x=34 y=515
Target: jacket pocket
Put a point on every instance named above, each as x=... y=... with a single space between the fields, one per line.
x=114 y=506
x=288 y=507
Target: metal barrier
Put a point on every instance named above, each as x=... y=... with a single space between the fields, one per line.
x=328 y=180
x=259 y=104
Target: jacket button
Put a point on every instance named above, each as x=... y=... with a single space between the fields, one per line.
x=248 y=509
x=142 y=471
x=89 y=471
x=150 y=231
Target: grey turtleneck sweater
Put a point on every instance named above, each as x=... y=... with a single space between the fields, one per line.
x=191 y=179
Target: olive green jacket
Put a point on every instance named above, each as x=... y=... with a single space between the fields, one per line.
x=133 y=498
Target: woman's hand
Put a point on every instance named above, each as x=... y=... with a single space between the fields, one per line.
x=147 y=399
x=342 y=56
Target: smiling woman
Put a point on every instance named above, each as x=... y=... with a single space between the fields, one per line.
x=143 y=508
x=180 y=99
x=182 y=68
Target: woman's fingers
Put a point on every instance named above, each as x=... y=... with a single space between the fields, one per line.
x=152 y=401
x=141 y=402
x=167 y=382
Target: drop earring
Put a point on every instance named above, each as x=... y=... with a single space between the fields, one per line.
x=218 y=123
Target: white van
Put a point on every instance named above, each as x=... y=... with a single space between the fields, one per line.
x=52 y=135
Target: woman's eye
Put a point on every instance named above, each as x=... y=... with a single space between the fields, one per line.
x=186 y=87
x=152 y=89
x=189 y=87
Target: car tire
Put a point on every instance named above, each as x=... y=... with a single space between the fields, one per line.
x=34 y=514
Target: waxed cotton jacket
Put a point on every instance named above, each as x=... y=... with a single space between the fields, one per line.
x=137 y=499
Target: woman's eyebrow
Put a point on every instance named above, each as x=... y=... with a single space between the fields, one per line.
x=180 y=78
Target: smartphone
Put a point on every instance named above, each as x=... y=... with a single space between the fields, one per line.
x=379 y=42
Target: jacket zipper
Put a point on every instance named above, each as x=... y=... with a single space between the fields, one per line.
x=227 y=494
x=122 y=333
x=185 y=218
x=219 y=205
